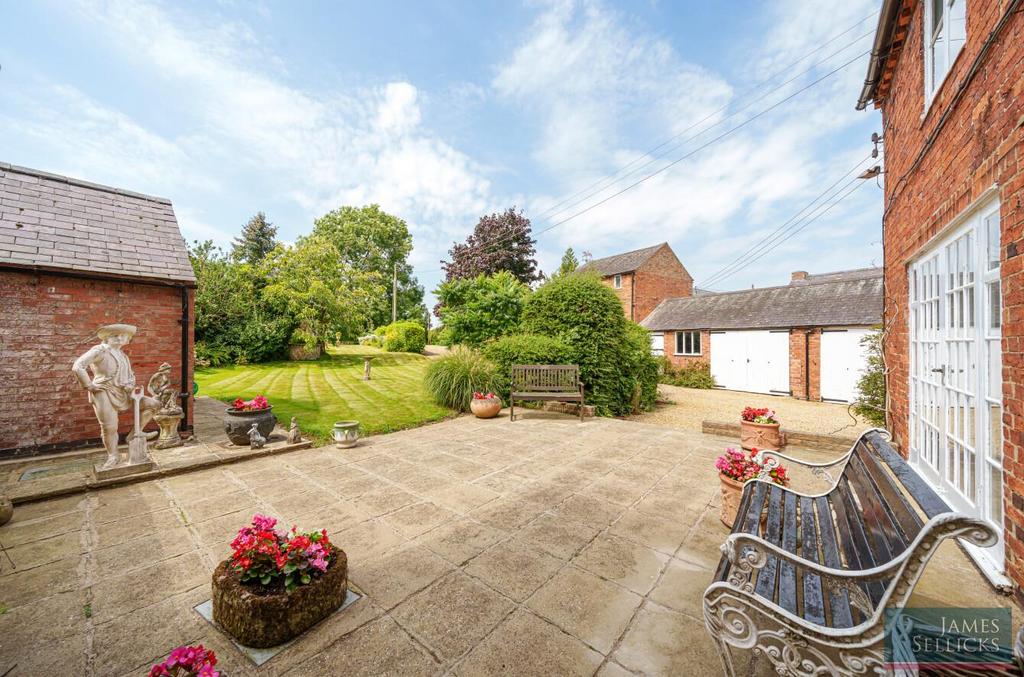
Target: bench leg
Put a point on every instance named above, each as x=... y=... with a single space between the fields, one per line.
x=723 y=653
x=512 y=409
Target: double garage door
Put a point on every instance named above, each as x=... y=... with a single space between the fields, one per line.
x=758 y=361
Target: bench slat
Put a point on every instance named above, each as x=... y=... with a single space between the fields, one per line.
x=814 y=605
x=751 y=505
x=839 y=600
x=895 y=502
x=925 y=496
x=766 y=579
x=787 y=572
x=884 y=536
x=852 y=539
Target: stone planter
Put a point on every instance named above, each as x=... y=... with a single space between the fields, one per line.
x=6 y=510
x=265 y=620
x=486 y=408
x=762 y=436
x=731 y=492
x=237 y=424
x=345 y=434
x=300 y=352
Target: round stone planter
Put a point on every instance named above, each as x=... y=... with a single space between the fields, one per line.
x=731 y=492
x=265 y=620
x=486 y=408
x=761 y=436
x=237 y=424
x=345 y=434
x=6 y=510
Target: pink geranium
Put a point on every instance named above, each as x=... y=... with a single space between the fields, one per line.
x=187 y=661
x=740 y=467
x=257 y=403
x=264 y=554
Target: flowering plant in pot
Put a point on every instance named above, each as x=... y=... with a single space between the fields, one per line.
x=277 y=583
x=485 y=405
x=243 y=413
x=759 y=428
x=187 y=661
x=734 y=469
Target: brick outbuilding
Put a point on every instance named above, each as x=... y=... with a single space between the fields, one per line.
x=643 y=278
x=802 y=339
x=75 y=256
x=948 y=77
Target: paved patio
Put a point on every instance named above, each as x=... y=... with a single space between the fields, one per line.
x=540 y=547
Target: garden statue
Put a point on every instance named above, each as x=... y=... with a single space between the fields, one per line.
x=111 y=388
x=294 y=436
x=170 y=413
x=256 y=441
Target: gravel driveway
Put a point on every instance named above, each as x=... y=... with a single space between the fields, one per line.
x=689 y=407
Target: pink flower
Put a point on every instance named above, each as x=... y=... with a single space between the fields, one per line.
x=263 y=522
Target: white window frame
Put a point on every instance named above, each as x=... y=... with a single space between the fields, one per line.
x=617 y=281
x=700 y=347
x=949 y=53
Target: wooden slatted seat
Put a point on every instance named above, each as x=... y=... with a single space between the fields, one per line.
x=551 y=382
x=806 y=578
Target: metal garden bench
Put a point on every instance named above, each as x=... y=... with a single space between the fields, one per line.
x=805 y=579
x=553 y=382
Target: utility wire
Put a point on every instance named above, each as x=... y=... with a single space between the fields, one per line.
x=499 y=242
x=739 y=260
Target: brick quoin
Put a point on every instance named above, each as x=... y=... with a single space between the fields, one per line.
x=981 y=145
x=48 y=321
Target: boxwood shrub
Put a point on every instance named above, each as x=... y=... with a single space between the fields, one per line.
x=524 y=349
x=404 y=336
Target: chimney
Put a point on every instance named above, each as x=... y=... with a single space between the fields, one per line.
x=798 y=275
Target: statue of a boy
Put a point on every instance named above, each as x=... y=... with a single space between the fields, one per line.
x=111 y=385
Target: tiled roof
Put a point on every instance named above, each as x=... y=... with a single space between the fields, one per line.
x=55 y=222
x=856 y=274
x=840 y=301
x=622 y=263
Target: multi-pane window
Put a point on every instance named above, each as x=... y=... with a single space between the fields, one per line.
x=618 y=282
x=688 y=343
x=945 y=31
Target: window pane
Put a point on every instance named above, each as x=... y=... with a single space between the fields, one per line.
x=992 y=226
x=957 y=23
x=994 y=369
x=995 y=431
x=938 y=8
x=995 y=307
x=679 y=342
x=996 y=495
x=696 y=342
x=939 y=65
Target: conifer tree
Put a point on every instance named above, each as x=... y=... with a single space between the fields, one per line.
x=257 y=240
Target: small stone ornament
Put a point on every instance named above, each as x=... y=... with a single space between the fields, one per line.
x=294 y=436
x=256 y=441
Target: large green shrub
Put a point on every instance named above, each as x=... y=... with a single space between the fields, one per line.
x=440 y=336
x=524 y=349
x=871 y=386
x=454 y=378
x=615 y=364
x=480 y=308
x=404 y=336
x=694 y=375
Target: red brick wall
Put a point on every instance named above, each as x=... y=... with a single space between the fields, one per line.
x=661 y=277
x=980 y=145
x=50 y=320
x=804 y=346
x=624 y=293
x=688 y=360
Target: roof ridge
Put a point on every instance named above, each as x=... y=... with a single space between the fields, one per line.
x=804 y=283
x=631 y=251
x=28 y=171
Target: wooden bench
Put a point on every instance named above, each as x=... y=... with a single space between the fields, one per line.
x=554 y=382
x=805 y=579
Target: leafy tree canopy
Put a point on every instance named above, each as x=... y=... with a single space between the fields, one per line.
x=499 y=242
x=480 y=308
x=257 y=240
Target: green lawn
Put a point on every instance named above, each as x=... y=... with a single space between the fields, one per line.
x=331 y=389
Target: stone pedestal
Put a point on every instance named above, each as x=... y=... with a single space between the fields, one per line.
x=122 y=470
x=169 y=436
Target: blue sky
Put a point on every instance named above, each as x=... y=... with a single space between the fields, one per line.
x=443 y=111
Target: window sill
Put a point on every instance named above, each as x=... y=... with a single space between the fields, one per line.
x=688 y=354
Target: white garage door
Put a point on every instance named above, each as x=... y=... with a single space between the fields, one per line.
x=657 y=343
x=753 y=361
x=843 y=359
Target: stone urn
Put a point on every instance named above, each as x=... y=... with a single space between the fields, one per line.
x=262 y=618
x=487 y=407
x=345 y=434
x=766 y=436
x=237 y=423
x=732 y=490
x=6 y=510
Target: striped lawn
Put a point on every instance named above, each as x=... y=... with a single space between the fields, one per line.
x=331 y=389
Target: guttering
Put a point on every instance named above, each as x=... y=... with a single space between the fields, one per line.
x=32 y=269
x=879 y=50
x=186 y=391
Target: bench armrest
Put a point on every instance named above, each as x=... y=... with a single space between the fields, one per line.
x=771 y=459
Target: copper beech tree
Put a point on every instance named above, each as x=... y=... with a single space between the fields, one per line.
x=500 y=241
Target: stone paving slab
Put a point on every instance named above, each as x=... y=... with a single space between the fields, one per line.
x=558 y=547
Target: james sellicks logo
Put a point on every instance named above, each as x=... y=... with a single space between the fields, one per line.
x=947 y=637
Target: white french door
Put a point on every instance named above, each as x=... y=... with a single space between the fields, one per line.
x=956 y=370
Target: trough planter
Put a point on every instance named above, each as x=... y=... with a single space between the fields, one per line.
x=262 y=619
x=764 y=436
x=485 y=407
x=237 y=423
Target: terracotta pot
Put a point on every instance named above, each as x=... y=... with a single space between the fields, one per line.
x=265 y=620
x=731 y=492
x=761 y=436
x=237 y=424
x=486 y=408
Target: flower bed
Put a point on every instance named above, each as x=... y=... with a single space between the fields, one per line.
x=277 y=584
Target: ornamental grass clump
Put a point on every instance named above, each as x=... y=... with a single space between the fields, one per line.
x=454 y=378
x=740 y=467
x=270 y=557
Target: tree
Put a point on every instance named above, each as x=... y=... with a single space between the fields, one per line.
x=870 y=401
x=257 y=240
x=328 y=299
x=372 y=241
x=480 y=308
x=569 y=262
x=498 y=242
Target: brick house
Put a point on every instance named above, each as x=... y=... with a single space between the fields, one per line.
x=801 y=339
x=75 y=256
x=948 y=77
x=643 y=278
